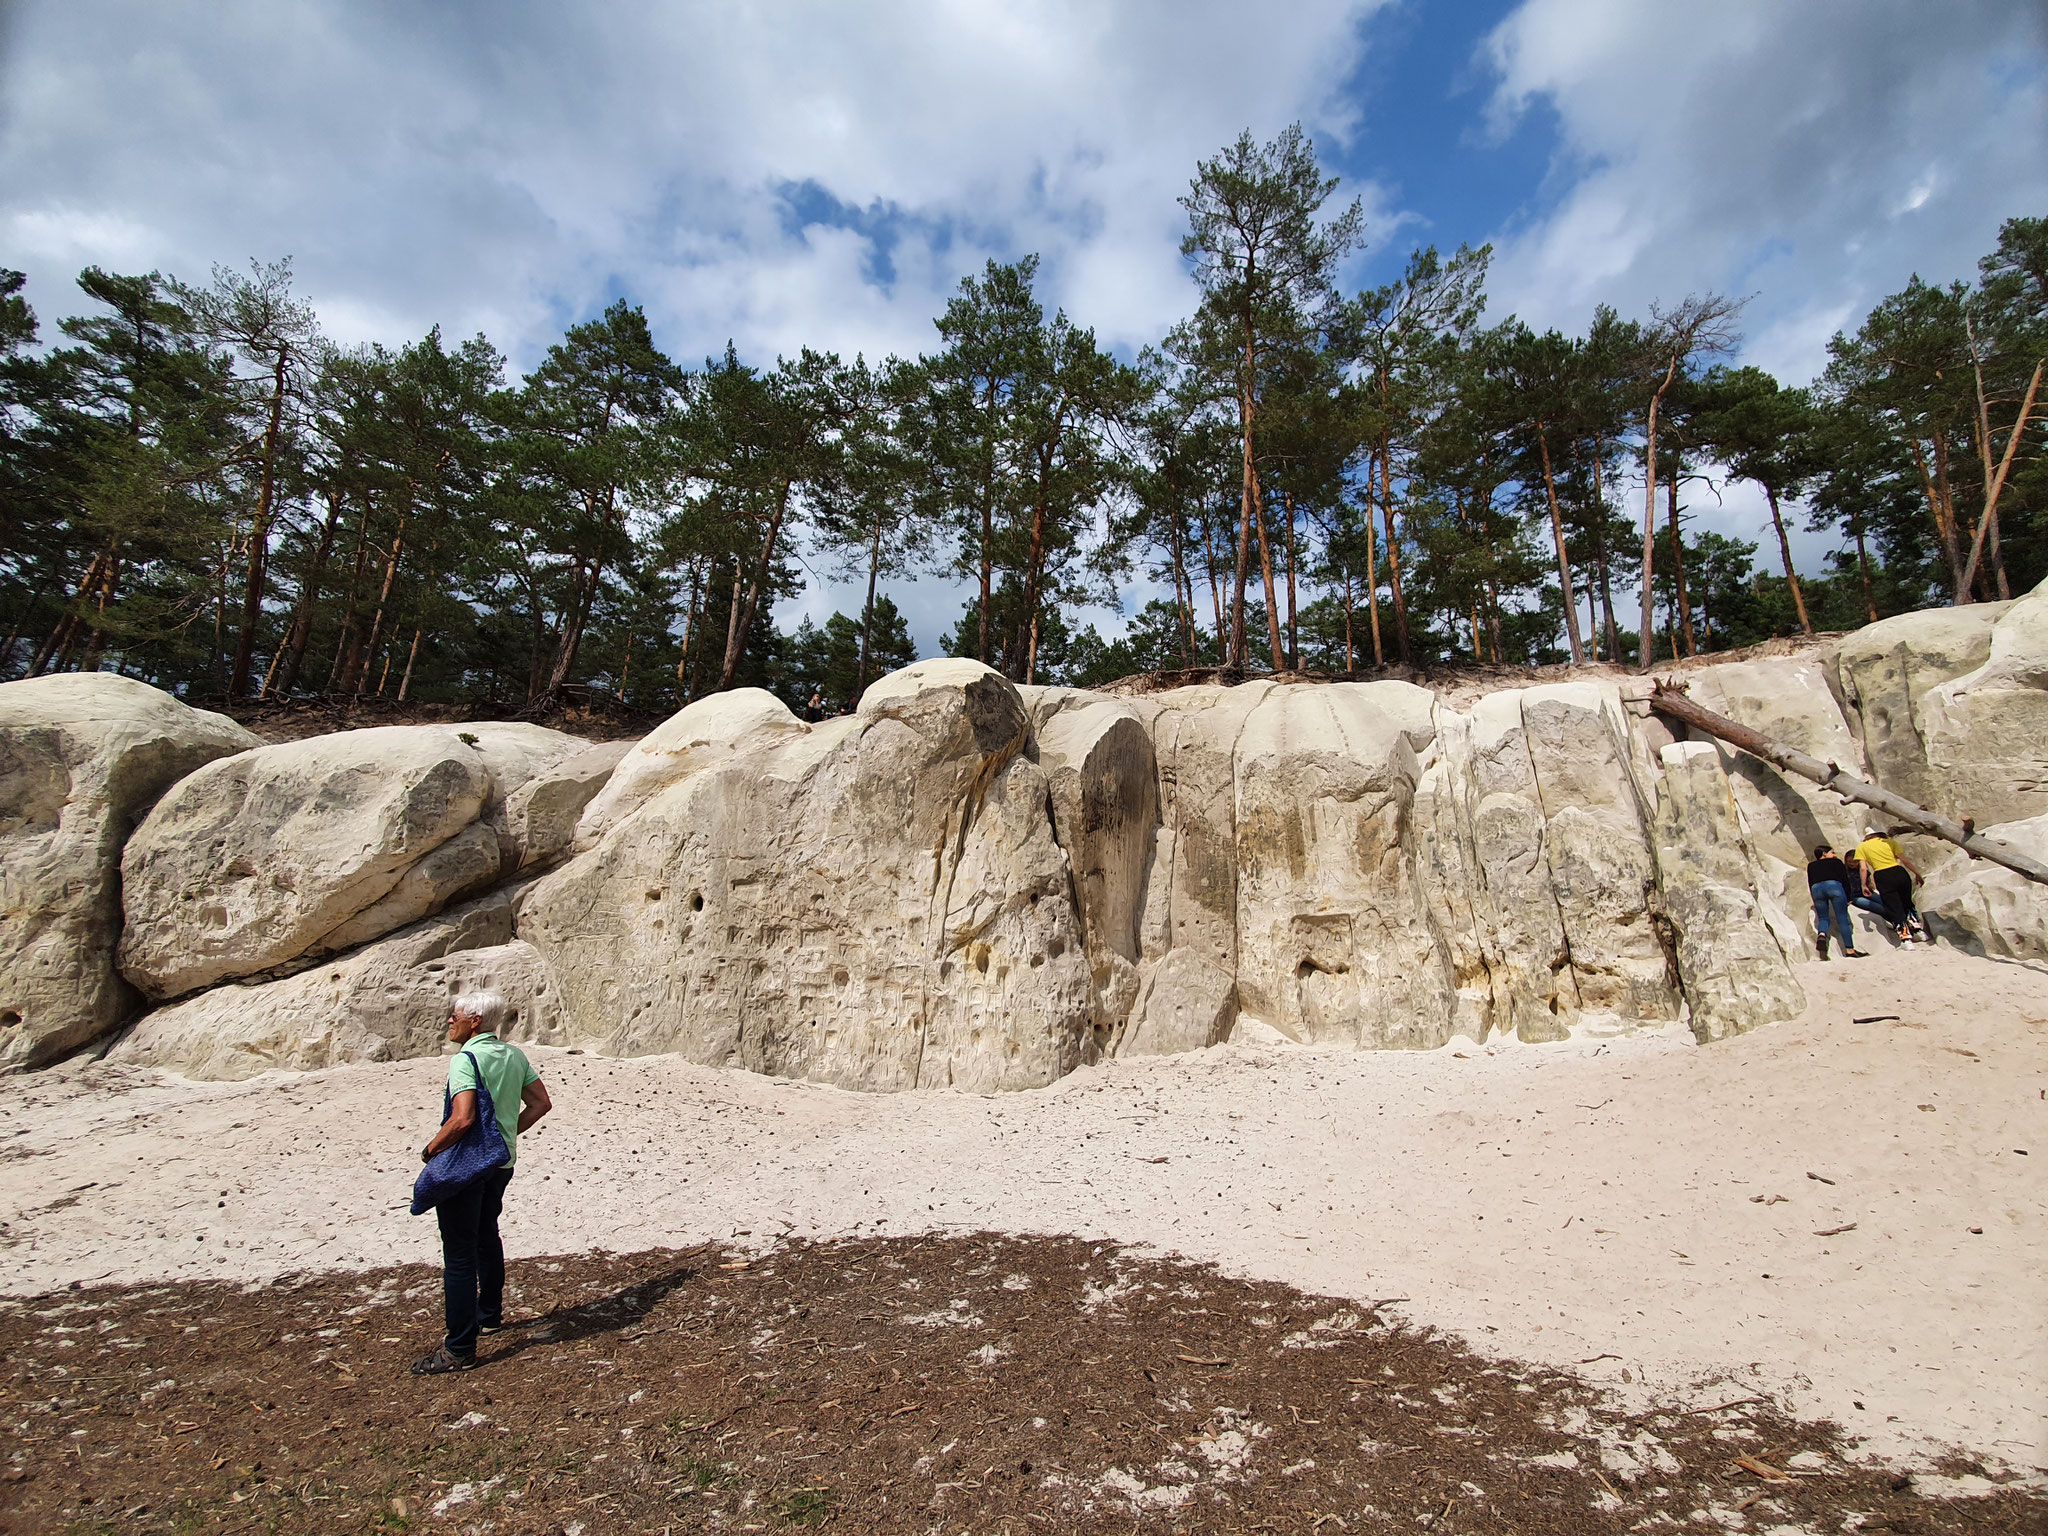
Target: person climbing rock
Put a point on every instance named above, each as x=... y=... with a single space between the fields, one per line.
x=1890 y=877
x=1827 y=880
x=472 y=1254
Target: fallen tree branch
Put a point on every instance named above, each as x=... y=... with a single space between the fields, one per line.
x=1672 y=702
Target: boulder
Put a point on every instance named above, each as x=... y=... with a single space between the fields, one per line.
x=1333 y=946
x=1985 y=908
x=1735 y=976
x=1519 y=937
x=384 y=1002
x=1986 y=731
x=1884 y=672
x=710 y=731
x=1603 y=872
x=1184 y=1004
x=1191 y=894
x=538 y=825
x=1102 y=780
x=83 y=756
x=878 y=903
x=259 y=858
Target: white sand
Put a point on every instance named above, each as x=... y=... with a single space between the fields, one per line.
x=1555 y=1203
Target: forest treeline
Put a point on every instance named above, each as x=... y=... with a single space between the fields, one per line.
x=205 y=492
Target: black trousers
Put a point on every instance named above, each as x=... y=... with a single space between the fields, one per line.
x=1895 y=890
x=473 y=1259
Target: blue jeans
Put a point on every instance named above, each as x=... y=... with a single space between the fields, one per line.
x=473 y=1259
x=1831 y=903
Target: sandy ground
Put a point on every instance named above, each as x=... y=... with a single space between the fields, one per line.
x=1849 y=1216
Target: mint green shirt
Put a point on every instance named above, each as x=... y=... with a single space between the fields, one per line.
x=506 y=1074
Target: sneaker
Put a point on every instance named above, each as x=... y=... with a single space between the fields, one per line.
x=441 y=1362
x=496 y=1325
x=1821 y=944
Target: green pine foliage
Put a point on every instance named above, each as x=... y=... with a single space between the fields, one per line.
x=204 y=492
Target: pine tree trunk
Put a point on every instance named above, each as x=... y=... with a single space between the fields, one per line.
x=1646 y=653
x=1785 y=552
x=1564 y=564
x=867 y=614
x=1678 y=561
x=735 y=644
x=259 y=535
x=1266 y=574
x=1393 y=552
x=294 y=649
x=1350 y=657
x=411 y=656
x=1234 y=655
x=1293 y=632
x=1372 y=578
x=383 y=600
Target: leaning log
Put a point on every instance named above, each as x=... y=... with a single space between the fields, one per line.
x=1672 y=703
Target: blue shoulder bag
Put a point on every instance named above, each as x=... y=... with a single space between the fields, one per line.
x=482 y=1147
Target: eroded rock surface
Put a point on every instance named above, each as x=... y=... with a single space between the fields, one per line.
x=383 y=1002
x=83 y=756
x=973 y=885
x=877 y=902
x=257 y=859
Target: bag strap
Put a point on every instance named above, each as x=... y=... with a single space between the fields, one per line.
x=482 y=1088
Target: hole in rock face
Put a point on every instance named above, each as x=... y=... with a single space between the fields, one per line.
x=654 y=895
x=9 y=1019
x=840 y=977
x=696 y=901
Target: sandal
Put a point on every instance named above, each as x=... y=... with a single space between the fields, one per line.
x=441 y=1362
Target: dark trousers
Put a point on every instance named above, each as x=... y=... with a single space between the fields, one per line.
x=1895 y=890
x=473 y=1259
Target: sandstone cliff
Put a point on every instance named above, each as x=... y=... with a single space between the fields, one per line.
x=974 y=885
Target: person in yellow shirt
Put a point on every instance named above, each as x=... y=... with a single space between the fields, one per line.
x=1890 y=876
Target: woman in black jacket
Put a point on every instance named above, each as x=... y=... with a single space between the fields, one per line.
x=1827 y=879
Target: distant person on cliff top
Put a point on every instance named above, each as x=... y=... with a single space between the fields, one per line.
x=1827 y=879
x=1890 y=876
x=472 y=1254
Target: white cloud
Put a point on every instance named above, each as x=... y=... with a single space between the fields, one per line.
x=504 y=167
x=1816 y=154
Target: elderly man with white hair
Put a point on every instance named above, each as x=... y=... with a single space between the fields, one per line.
x=472 y=1255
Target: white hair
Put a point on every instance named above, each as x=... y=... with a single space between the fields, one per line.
x=486 y=1007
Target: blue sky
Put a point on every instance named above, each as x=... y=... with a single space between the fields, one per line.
x=785 y=174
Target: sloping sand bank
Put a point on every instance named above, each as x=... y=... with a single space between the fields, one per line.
x=1853 y=1217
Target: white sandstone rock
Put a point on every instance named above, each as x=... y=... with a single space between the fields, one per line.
x=1102 y=779
x=1520 y=937
x=1735 y=975
x=1333 y=946
x=256 y=859
x=694 y=738
x=1986 y=908
x=1885 y=672
x=1191 y=896
x=384 y=1002
x=83 y=756
x=1987 y=730
x=879 y=903
x=539 y=819
x=1603 y=871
